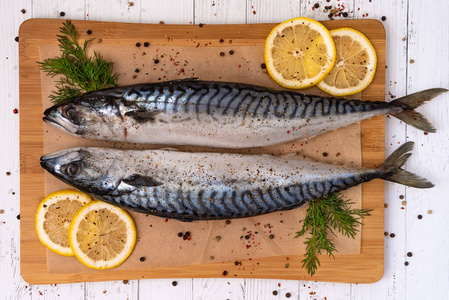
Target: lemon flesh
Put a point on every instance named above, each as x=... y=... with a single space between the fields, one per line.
x=299 y=53
x=102 y=236
x=355 y=65
x=53 y=218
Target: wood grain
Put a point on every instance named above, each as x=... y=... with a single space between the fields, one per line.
x=365 y=267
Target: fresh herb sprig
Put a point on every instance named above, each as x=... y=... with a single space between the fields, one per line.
x=323 y=217
x=78 y=72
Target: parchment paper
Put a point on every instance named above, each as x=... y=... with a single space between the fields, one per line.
x=212 y=241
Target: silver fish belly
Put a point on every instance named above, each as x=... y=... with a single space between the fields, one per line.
x=216 y=114
x=206 y=186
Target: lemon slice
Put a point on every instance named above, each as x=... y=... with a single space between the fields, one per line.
x=101 y=235
x=355 y=66
x=53 y=217
x=299 y=53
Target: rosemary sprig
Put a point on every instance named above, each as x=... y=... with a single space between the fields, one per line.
x=323 y=217
x=78 y=72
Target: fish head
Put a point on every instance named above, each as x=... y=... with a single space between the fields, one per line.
x=89 y=116
x=92 y=170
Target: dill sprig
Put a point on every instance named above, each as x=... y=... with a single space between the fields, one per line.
x=323 y=217
x=78 y=72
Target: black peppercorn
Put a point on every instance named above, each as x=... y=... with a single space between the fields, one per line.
x=137 y=44
x=271 y=236
x=227 y=222
x=231 y=52
x=384 y=18
x=142 y=259
x=180 y=234
x=345 y=14
x=156 y=61
x=275 y=293
x=225 y=273
x=392 y=235
x=247 y=237
x=201 y=24
x=174 y=283
x=263 y=66
x=221 y=40
x=146 y=44
x=325 y=154
x=89 y=32
x=288 y=295
x=409 y=254
x=222 y=54
x=62 y=14
x=137 y=70
x=16 y=38
x=236 y=263
x=316 y=5
x=419 y=217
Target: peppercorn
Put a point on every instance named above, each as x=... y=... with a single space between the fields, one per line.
x=316 y=5
x=23 y=10
x=247 y=237
x=137 y=70
x=227 y=222
x=201 y=24
x=419 y=217
x=174 y=283
x=222 y=54
x=180 y=234
x=325 y=154
x=275 y=293
x=125 y=281
x=345 y=14
x=383 y=18
x=263 y=66
x=288 y=295
x=16 y=38
x=137 y=44
x=231 y=52
x=392 y=235
x=406 y=263
x=271 y=236
x=221 y=40
x=18 y=217
x=187 y=233
x=89 y=32
x=142 y=259
x=62 y=14
x=409 y=254
x=401 y=197
x=8 y=173
x=156 y=61
x=146 y=44
x=236 y=263
x=225 y=273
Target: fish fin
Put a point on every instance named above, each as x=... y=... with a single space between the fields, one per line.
x=410 y=102
x=142 y=180
x=392 y=165
x=142 y=115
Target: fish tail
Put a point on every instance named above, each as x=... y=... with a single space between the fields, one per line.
x=392 y=165
x=410 y=102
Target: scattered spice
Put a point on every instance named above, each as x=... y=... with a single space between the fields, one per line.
x=409 y=254
x=62 y=14
x=131 y=3
x=271 y=236
x=345 y=14
x=137 y=44
x=8 y=173
x=419 y=217
x=156 y=61
x=412 y=61
x=247 y=237
x=316 y=5
x=1 y=211
x=404 y=202
x=23 y=10
x=16 y=39
x=180 y=234
x=406 y=263
x=125 y=281
x=325 y=154
x=146 y=44
x=222 y=54
x=401 y=197
x=201 y=24
x=392 y=235
x=227 y=222
x=236 y=263
x=383 y=18
x=225 y=273
x=15 y=111
x=142 y=259
x=386 y=233
x=137 y=70
x=174 y=283
x=288 y=295
x=275 y=293
x=231 y=52
x=89 y=32
x=429 y=212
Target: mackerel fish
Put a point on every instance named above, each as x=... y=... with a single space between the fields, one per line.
x=207 y=186
x=219 y=114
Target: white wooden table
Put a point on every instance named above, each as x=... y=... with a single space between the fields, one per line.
x=417 y=58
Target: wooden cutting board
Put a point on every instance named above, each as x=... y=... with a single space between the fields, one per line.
x=365 y=267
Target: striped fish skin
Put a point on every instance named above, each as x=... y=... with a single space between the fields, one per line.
x=201 y=186
x=216 y=114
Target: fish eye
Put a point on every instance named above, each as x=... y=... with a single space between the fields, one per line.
x=73 y=169
x=71 y=114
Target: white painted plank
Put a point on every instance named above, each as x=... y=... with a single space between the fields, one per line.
x=165 y=289
x=113 y=10
x=112 y=290
x=271 y=289
x=392 y=285
x=168 y=11
x=274 y=11
x=324 y=290
x=427 y=239
x=220 y=11
x=64 y=9
x=12 y=284
x=321 y=13
x=218 y=289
